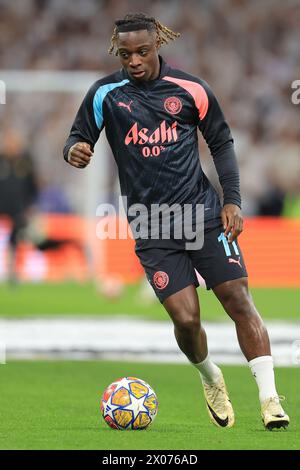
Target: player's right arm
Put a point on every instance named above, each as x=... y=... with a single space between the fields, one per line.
x=84 y=133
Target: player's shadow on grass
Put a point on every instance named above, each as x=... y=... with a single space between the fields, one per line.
x=274 y=431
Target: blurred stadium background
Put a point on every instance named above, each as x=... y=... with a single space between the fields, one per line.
x=64 y=292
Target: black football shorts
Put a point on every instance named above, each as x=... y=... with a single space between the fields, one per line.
x=170 y=267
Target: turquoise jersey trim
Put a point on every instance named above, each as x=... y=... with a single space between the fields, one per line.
x=99 y=98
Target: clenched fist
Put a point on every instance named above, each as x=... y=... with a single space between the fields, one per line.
x=80 y=155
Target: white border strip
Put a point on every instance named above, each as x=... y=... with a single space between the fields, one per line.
x=2 y=352
x=126 y=339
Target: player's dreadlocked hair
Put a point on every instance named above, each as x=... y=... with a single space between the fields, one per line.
x=138 y=21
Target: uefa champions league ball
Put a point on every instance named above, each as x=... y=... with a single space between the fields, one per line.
x=129 y=404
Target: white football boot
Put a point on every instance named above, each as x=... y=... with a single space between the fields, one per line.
x=273 y=415
x=218 y=404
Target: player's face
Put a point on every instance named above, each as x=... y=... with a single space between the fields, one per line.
x=138 y=53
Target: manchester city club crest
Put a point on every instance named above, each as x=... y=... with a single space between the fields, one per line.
x=173 y=105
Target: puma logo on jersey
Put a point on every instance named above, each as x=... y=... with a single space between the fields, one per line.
x=161 y=134
x=231 y=260
x=127 y=106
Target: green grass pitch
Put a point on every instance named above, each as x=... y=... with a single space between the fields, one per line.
x=83 y=299
x=55 y=405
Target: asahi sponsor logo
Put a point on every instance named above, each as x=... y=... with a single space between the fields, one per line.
x=141 y=136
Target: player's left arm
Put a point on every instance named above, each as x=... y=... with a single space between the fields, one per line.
x=216 y=132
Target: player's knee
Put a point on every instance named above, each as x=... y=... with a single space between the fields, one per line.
x=188 y=322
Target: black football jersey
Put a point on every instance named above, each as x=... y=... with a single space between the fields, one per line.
x=152 y=130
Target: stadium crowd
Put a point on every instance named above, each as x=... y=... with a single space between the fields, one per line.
x=247 y=51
